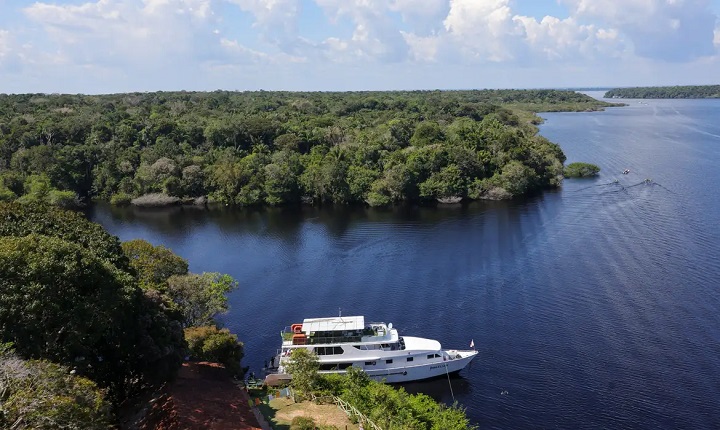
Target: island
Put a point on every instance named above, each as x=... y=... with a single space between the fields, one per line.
x=675 y=92
x=280 y=148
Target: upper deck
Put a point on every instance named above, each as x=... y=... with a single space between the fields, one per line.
x=336 y=330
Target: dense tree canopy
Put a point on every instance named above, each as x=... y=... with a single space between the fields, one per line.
x=37 y=394
x=209 y=343
x=153 y=264
x=676 y=92
x=67 y=294
x=275 y=148
x=389 y=407
x=200 y=298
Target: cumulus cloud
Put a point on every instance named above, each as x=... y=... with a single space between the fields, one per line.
x=276 y=20
x=488 y=31
x=375 y=36
x=672 y=30
x=138 y=32
x=423 y=16
x=555 y=39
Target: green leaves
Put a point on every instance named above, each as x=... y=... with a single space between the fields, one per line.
x=200 y=297
x=581 y=170
x=38 y=394
x=208 y=343
x=303 y=367
x=153 y=264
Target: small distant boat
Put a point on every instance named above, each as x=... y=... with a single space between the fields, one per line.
x=376 y=348
x=626 y=171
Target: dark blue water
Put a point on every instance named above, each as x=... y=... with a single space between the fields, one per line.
x=594 y=306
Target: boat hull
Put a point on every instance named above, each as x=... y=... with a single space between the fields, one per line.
x=421 y=372
x=396 y=375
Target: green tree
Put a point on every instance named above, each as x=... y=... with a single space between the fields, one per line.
x=208 y=343
x=70 y=298
x=200 y=297
x=448 y=182
x=61 y=302
x=581 y=170
x=22 y=220
x=37 y=394
x=153 y=264
x=303 y=366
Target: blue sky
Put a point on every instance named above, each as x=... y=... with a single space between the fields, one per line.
x=102 y=46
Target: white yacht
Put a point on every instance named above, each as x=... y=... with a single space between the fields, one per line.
x=376 y=348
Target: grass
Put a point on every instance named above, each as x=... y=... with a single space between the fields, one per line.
x=280 y=412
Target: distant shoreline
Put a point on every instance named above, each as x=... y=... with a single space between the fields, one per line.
x=674 y=92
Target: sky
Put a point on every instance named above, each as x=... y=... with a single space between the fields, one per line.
x=109 y=46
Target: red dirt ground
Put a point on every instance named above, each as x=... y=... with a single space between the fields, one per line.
x=203 y=397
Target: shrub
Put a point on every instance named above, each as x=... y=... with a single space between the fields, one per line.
x=302 y=423
x=209 y=343
x=581 y=170
x=120 y=199
x=39 y=394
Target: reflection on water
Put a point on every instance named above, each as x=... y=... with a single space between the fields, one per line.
x=591 y=306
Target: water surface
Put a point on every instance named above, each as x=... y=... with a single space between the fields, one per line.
x=592 y=306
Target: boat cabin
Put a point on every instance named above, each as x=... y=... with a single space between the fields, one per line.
x=334 y=330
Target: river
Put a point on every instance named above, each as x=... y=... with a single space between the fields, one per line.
x=592 y=306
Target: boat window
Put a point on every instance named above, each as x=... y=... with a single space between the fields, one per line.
x=410 y=359
x=328 y=350
x=388 y=361
x=370 y=363
x=431 y=356
x=335 y=366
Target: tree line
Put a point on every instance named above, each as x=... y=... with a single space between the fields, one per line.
x=274 y=148
x=675 y=92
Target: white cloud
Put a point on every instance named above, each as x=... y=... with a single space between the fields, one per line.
x=144 y=33
x=375 y=36
x=565 y=40
x=488 y=31
x=276 y=20
x=423 y=16
x=10 y=55
x=673 y=30
x=484 y=29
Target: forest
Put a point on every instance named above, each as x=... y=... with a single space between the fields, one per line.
x=89 y=325
x=676 y=92
x=275 y=148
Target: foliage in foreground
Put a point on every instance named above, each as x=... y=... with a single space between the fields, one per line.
x=217 y=345
x=393 y=408
x=303 y=366
x=70 y=294
x=386 y=406
x=37 y=394
x=581 y=170
x=302 y=423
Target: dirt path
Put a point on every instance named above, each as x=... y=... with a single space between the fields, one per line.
x=203 y=397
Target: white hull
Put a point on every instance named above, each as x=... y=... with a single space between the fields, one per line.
x=422 y=371
x=376 y=348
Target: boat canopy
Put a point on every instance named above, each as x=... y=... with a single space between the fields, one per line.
x=333 y=324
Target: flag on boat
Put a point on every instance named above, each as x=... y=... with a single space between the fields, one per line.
x=472 y=343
